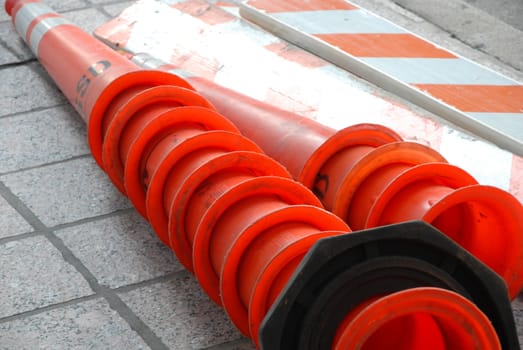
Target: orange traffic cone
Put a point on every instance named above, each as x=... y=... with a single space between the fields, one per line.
x=368 y=176
x=227 y=210
x=368 y=290
x=182 y=164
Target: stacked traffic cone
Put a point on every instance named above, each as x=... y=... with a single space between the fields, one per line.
x=230 y=213
x=367 y=175
x=368 y=290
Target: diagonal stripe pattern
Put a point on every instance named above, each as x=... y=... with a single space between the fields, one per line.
x=390 y=56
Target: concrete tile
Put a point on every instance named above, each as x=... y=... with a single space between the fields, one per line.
x=115 y=9
x=57 y=5
x=88 y=19
x=517 y=306
x=3 y=15
x=120 y=250
x=13 y=41
x=61 y=6
x=11 y=222
x=181 y=314
x=6 y=56
x=66 y=192
x=23 y=89
x=34 y=275
x=88 y=325
x=41 y=137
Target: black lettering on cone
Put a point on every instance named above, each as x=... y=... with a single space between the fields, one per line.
x=321 y=185
x=85 y=80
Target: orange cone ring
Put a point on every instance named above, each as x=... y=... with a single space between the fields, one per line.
x=207 y=240
x=343 y=185
x=166 y=133
x=159 y=195
x=492 y=228
x=269 y=278
x=282 y=225
x=129 y=119
x=418 y=318
x=190 y=174
x=253 y=229
x=368 y=290
x=471 y=214
x=347 y=170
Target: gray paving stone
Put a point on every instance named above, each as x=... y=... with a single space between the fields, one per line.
x=11 y=223
x=23 y=89
x=20 y=51
x=181 y=314
x=66 y=192
x=61 y=5
x=15 y=42
x=6 y=56
x=120 y=250
x=34 y=275
x=57 y=5
x=41 y=137
x=3 y=15
x=115 y=9
x=88 y=325
x=88 y=19
x=517 y=306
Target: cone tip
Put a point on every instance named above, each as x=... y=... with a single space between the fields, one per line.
x=8 y=7
x=9 y=4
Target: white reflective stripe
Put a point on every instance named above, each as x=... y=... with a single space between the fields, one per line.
x=145 y=60
x=337 y=21
x=27 y=14
x=437 y=71
x=41 y=28
x=509 y=123
x=172 y=2
x=181 y=73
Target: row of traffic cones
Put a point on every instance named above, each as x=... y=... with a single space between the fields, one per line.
x=235 y=217
x=367 y=175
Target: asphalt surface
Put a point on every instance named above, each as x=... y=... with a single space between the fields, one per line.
x=508 y=11
x=486 y=31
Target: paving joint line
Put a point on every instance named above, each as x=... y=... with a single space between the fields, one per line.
x=17 y=64
x=47 y=308
x=21 y=208
x=20 y=237
x=160 y=279
x=84 y=221
x=117 y=304
x=122 y=289
x=34 y=110
x=44 y=165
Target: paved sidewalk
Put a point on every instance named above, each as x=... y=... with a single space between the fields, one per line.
x=79 y=268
